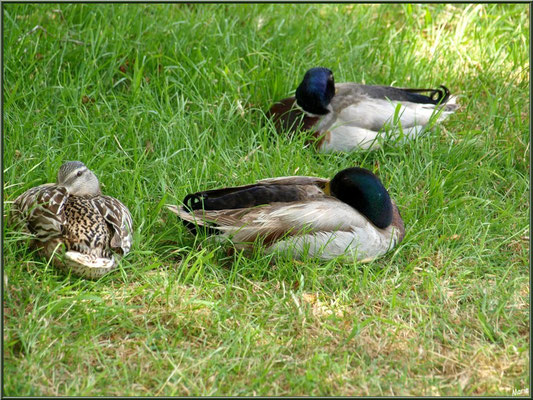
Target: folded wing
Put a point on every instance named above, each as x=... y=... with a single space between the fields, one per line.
x=270 y=222
x=39 y=211
x=372 y=107
x=119 y=219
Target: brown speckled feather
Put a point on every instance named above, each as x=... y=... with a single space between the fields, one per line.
x=90 y=225
x=39 y=211
x=118 y=216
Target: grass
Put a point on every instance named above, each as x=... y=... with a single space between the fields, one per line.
x=162 y=100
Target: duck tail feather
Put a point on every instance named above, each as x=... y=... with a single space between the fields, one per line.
x=439 y=95
x=87 y=266
x=193 y=222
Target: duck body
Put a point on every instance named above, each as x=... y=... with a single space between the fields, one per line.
x=82 y=232
x=351 y=116
x=299 y=215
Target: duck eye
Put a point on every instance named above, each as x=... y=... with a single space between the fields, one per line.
x=79 y=173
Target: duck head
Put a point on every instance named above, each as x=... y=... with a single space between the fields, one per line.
x=316 y=91
x=363 y=190
x=78 y=179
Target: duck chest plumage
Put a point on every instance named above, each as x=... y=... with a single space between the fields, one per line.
x=85 y=228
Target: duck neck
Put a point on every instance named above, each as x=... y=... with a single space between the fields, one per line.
x=328 y=109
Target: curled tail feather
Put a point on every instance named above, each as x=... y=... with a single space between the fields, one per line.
x=439 y=95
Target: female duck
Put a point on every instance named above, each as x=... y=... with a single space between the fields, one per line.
x=350 y=116
x=74 y=215
x=351 y=216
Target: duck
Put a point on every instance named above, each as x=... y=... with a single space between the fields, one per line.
x=72 y=223
x=349 y=116
x=350 y=217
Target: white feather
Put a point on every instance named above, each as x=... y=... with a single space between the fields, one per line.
x=349 y=138
x=360 y=125
x=328 y=226
x=374 y=114
x=358 y=244
x=87 y=266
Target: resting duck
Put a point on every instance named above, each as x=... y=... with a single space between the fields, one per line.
x=73 y=215
x=351 y=216
x=350 y=116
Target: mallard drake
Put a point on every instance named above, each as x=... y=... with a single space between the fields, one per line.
x=350 y=116
x=351 y=216
x=73 y=215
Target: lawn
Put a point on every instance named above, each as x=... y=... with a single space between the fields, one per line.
x=162 y=100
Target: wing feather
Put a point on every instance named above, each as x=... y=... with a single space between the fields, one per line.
x=39 y=211
x=296 y=180
x=119 y=218
x=279 y=219
x=266 y=191
x=372 y=107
